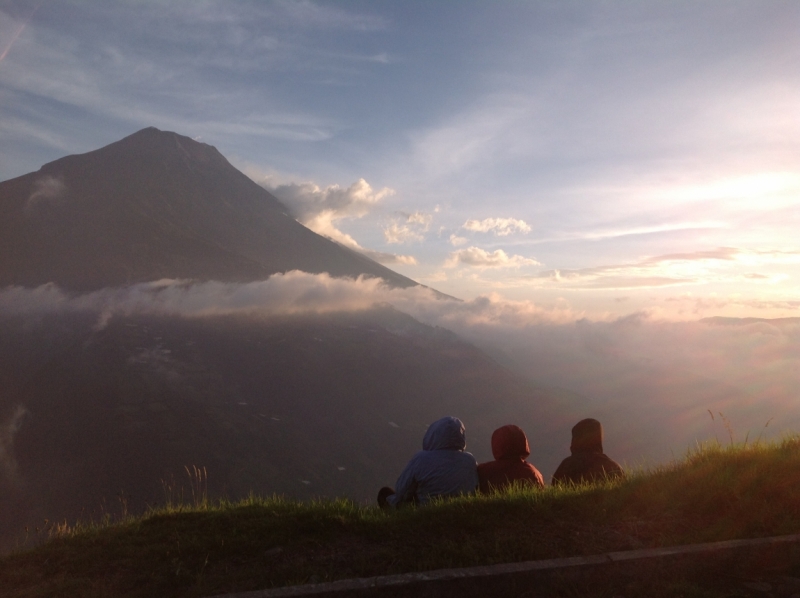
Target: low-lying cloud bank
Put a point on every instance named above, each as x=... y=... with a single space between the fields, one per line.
x=652 y=382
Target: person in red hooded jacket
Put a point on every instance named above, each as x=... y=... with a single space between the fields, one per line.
x=510 y=449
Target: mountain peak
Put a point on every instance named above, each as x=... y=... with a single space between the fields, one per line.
x=154 y=205
x=163 y=143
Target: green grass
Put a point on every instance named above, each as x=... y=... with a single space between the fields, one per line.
x=715 y=493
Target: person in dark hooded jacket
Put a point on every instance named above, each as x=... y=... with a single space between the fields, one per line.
x=588 y=462
x=441 y=468
x=510 y=449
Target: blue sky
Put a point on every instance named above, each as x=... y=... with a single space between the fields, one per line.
x=600 y=157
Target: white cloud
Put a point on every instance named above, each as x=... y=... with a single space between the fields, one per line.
x=420 y=218
x=457 y=241
x=719 y=265
x=321 y=208
x=480 y=258
x=308 y=200
x=501 y=227
x=400 y=233
x=294 y=292
x=47 y=189
x=388 y=258
x=633 y=373
x=410 y=228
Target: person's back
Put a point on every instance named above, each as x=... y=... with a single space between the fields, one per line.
x=510 y=449
x=441 y=468
x=587 y=463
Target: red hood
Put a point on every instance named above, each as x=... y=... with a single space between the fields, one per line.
x=510 y=442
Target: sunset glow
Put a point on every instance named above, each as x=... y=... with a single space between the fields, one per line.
x=607 y=158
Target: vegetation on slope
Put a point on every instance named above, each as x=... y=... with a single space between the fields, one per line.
x=201 y=549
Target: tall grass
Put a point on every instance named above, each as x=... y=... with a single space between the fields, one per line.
x=193 y=546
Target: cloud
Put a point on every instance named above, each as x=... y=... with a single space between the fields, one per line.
x=650 y=381
x=117 y=82
x=457 y=241
x=388 y=258
x=398 y=233
x=501 y=227
x=596 y=278
x=644 y=230
x=757 y=276
x=311 y=14
x=722 y=264
x=721 y=253
x=294 y=292
x=321 y=208
x=47 y=189
x=9 y=429
x=420 y=218
x=171 y=66
x=309 y=200
x=700 y=306
x=14 y=36
x=410 y=228
x=480 y=258
x=479 y=136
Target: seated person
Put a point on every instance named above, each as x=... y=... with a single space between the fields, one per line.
x=510 y=449
x=588 y=463
x=441 y=468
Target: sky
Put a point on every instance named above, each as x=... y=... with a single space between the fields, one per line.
x=599 y=159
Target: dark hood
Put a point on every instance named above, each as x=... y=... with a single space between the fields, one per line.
x=445 y=434
x=510 y=442
x=587 y=437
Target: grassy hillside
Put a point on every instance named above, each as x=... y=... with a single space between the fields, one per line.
x=303 y=405
x=194 y=548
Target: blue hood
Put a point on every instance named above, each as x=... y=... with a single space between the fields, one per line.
x=445 y=434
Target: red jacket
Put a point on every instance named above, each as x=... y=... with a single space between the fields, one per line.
x=510 y=449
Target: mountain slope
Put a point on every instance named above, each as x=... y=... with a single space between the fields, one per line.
x=94 y=409
x=315 y=405
x=156 y=205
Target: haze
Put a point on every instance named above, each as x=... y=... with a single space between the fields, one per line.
x=597 y=159
x=660 y=387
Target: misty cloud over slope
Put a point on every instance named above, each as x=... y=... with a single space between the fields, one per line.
x=652 y=382
x=97 y=403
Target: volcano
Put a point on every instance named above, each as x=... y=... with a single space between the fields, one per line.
x=156 y=205
x=107 y=410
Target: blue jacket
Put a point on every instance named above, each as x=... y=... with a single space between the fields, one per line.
x=441 y=468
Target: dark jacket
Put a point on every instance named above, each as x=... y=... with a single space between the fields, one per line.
x=588 y=463
x=441 y=468
x=510 y=449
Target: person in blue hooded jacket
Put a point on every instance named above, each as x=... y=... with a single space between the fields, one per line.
x=441 y=468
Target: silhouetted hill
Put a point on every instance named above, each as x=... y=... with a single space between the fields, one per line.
x=304 y=405
x=156 y=205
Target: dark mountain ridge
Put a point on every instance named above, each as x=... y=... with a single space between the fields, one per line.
x=306 y=406
x=156 y=205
